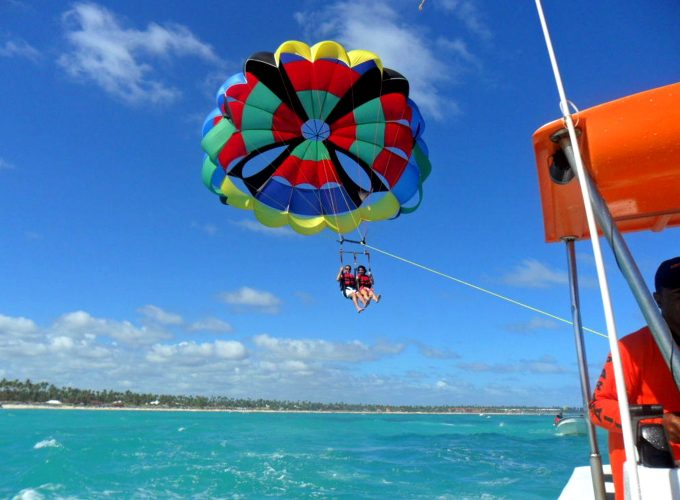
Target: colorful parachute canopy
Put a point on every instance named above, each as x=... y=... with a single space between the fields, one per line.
x=316 y=137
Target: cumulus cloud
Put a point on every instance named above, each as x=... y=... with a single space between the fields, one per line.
x=121 y=60
x=80 y=350
x=19 y=48
x=543 y=365
x=534 y=274
x=158 y=315
x=214 y=325
x=435 y=353
x=17 y=327
x=250 y=298
x=80 y=324
x=379 y=26
x=323 y=350
x=192 y=353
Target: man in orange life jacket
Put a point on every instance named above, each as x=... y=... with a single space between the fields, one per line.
x=648 y=379
x=365 y=282
x=348 y=285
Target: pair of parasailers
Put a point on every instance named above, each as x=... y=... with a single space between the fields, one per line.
x=359 y=288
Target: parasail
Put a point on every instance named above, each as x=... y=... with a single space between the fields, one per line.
x=316 y=137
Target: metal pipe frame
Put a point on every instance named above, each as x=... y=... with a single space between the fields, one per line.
x=596 y=473
x=658 y=326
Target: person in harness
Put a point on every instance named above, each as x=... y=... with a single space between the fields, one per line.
x=348 y=286
x=365 y=283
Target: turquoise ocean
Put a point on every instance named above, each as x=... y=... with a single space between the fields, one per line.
x=148 y=454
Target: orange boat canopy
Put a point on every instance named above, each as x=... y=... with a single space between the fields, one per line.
x=631 y=149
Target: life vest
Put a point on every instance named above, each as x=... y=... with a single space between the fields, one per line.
x=365 y=281
x=347 y=280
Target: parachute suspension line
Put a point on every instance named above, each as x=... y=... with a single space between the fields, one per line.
x=479 y=288
x=368 y=261
x=347 y=202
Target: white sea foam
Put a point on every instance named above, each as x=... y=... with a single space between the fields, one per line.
x=47 y=443
x=28 y=494
x=181 y=429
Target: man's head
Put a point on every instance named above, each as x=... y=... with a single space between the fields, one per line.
x=667 y=295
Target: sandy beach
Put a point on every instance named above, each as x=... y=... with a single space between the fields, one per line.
x=38 y=406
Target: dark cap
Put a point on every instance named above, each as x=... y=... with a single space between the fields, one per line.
x=668 y=274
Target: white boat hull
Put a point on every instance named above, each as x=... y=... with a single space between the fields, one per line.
x=655 y=484
x=571 y=426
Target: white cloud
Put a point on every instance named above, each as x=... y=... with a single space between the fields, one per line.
x=80 y=350
x=120 y=60
x=214 y=325
x=62 y=343
x=543 y=365
x=158 y=315
x=19 y=48
x=534 y=274
x=256 y=227
x=534 y=324
x=323 y=350
x=246 y=297
x=306 y=298
x=435 y=353
x=467 y=12
x=378 y=26
x=32 y=235
x=17 y=327
x=78 y=324
x=192 y=353
x=209 y=229
x=230 y=349
x=5 y=165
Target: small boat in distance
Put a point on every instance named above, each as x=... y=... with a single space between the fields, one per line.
x=571 y=426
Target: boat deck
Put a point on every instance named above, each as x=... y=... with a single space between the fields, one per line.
x=580 y=484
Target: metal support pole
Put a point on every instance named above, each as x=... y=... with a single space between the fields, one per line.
x=629 y=270
x=596 y=473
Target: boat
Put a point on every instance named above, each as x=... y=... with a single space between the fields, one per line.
x=571 y=426
x=605 y=171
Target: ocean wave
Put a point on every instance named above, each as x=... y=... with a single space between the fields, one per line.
x=47 y=443
x=28 y=494
x=35 y=494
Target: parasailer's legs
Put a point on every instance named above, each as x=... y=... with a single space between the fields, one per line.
x=356 y=298
x=368 y=294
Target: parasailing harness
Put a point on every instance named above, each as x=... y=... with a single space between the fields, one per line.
x=355 y=254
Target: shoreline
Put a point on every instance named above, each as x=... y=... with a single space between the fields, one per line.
x=28 y=406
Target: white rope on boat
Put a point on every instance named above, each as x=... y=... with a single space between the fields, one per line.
x=626 y=424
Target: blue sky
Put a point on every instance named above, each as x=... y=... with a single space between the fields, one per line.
x=119 y=270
